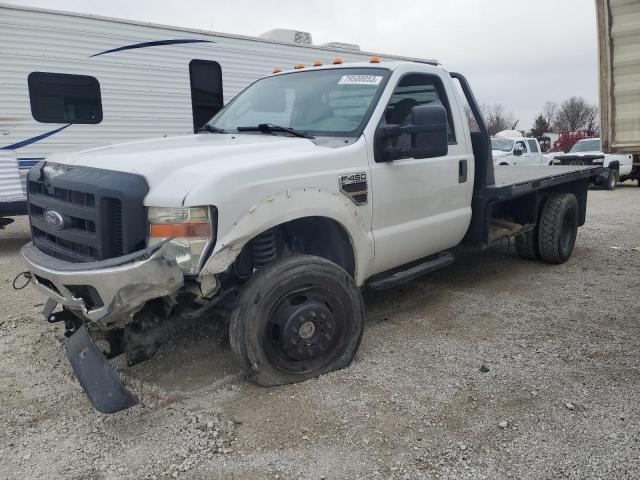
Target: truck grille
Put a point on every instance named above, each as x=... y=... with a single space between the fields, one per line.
x=82 y=214
x=578 y=160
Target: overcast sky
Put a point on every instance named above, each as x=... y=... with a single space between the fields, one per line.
x=520 y=53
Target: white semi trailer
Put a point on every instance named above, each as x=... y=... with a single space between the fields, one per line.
x=71 y=81
x=619 y=53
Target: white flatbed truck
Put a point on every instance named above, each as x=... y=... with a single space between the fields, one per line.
x=308 y=187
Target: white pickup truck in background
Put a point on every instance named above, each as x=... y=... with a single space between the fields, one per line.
x=619 y=167
x=516 y=151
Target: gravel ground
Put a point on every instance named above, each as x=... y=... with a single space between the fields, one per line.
x=493 y=368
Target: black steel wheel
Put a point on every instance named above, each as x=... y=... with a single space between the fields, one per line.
x=295 y=319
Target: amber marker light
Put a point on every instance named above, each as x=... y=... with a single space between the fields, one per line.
x=185 y=230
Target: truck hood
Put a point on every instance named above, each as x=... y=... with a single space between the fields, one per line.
x=174 y=165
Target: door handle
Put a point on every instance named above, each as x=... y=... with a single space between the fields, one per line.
x=462 y=171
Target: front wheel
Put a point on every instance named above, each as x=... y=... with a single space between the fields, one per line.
x=295 y=319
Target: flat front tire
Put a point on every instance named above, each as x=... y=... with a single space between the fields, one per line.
x=558 y=227
x=297 y=318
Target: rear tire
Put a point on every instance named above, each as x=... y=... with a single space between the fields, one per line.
x=297 y=318
x=558 y=227
x=527 y=245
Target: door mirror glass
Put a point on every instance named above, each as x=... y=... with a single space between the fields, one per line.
x=425 y=135
x=517 y=151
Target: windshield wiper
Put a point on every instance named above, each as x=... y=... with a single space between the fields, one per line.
x=206 y=128
x=270 y=128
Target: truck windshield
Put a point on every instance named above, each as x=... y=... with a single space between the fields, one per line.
x=586 y=146
x=332 y=102
x=501 y=144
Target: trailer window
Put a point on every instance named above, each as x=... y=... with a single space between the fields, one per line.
x=206 y=91
x=64 y=98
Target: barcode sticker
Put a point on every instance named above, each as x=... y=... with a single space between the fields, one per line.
x=360 y=80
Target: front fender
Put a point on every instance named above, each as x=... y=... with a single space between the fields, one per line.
x=291 y=205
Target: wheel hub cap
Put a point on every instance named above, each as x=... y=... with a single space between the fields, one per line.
x=307 y=330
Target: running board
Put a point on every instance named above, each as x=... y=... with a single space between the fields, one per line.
x=397 y=276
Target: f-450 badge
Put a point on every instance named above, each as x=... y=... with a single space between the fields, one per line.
x=355 y=187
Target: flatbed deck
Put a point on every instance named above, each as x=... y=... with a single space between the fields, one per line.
x=513 y=181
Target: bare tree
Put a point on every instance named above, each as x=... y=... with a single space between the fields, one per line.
x=549 y=113
x=576 y=114
x=498 y=119
x=495 y=117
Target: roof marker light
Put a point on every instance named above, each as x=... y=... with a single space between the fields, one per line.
x=317 y=63
x=298 y=66
x=277 y=70
x=337 y=61
x=374 y=59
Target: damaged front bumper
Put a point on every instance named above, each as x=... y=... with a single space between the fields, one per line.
x=109 y=289
x=104 y=293
x=99 y=380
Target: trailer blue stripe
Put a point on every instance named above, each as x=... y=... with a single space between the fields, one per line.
x=156 y=43
x=35 y=139
x=25 y=163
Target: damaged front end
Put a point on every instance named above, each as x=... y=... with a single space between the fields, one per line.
x=119 y=301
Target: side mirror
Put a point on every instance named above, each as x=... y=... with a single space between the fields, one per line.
x=426 y=135
x=517 y=151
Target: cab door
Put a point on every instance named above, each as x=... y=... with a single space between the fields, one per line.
x=535 y=157
x=524 y=158
x=421 y=206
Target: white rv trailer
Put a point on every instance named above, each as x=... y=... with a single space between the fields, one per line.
x=71 y=81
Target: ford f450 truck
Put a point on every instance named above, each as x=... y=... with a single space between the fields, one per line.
x=309 y=186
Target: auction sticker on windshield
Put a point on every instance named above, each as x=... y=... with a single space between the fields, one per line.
x=360 y=80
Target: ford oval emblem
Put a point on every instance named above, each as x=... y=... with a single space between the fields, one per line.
x=54 y=219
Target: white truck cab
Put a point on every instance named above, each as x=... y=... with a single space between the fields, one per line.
x=619 y=167
x=516 y=150
x=309 y=186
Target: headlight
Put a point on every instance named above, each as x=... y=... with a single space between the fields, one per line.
x=191 y=229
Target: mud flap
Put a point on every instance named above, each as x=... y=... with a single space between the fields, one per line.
x=99 y=380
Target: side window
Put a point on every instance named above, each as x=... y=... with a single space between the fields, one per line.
x=417 y=89
x=64 y=98
x=533 y=146
x=206 y=91
x=522 y=145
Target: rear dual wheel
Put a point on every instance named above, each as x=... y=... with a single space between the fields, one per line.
x=295 y=319
x=555 y=236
